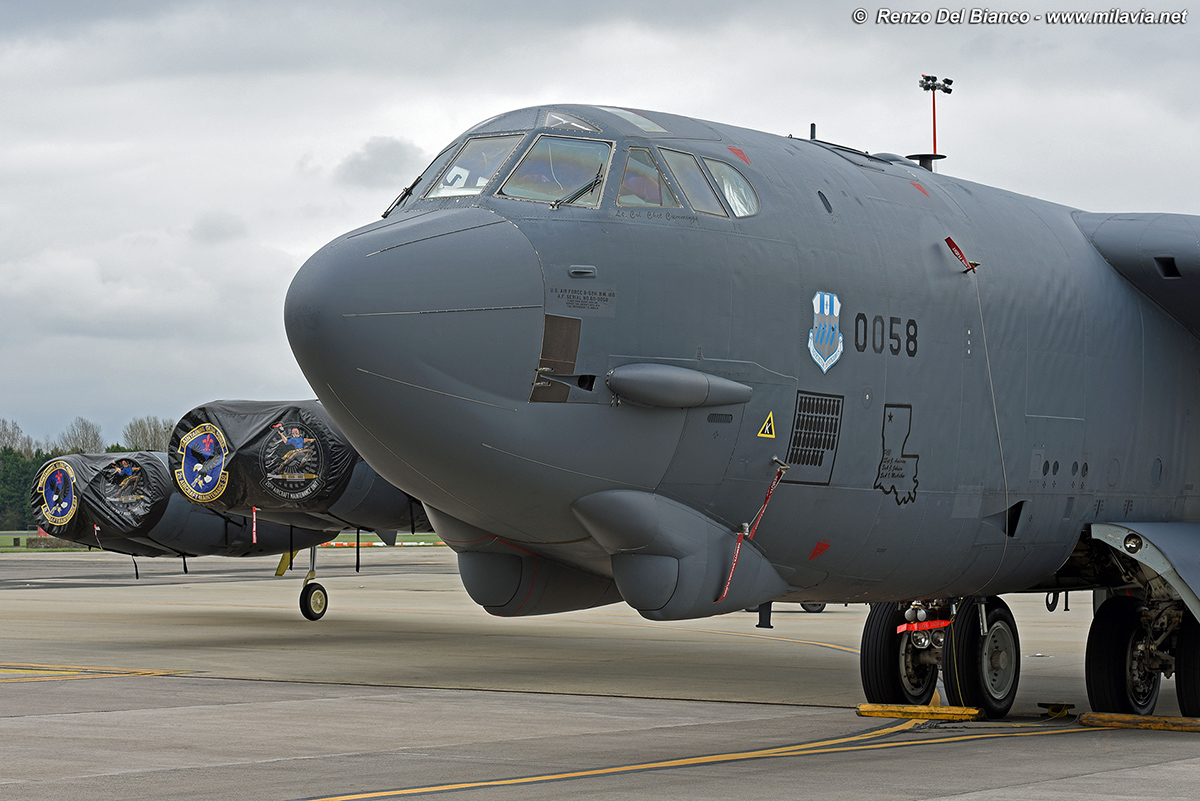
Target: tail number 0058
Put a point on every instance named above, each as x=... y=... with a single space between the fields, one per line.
x=896 y=336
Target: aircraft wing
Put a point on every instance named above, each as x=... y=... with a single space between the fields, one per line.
x=1170 y=549
x=1158 y=253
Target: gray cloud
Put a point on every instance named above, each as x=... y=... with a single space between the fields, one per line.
x=215 y=227
x=383 y=162
x=165 y=164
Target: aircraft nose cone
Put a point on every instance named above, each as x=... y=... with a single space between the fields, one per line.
x=409 y=331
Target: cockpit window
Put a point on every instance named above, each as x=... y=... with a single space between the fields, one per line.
x=561 y=119
x=416 y=187
x=560 y=170
x=691 y=179
x=474 y=166
x=643 y=184
x=647 y=125
x=738 y=192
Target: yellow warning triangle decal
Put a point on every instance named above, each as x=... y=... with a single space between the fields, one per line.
x=768 y=427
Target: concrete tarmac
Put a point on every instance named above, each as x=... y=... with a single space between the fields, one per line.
x=212 y=685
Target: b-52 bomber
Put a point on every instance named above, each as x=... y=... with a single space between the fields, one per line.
x=242 y=478
x=628 y=355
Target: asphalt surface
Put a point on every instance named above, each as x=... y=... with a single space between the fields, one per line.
x=212 y=685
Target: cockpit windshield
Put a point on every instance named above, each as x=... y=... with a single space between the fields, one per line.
x=695 y=186
x=474 y=166
x=416 y=187
x=643 y=184
x=738 y=192
x=558 y=169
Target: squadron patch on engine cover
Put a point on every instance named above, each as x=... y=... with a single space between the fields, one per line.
x=202 y=475
x=293 y=462
x=57 y=486
x=122 y=480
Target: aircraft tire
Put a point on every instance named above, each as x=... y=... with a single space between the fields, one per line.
x=314 y=600
x=1114 y=682
x=814 y=608
x=1187 y=667
x=978 y=670
x=887 y=661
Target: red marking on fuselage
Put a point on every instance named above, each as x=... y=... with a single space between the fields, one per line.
x=739 y=153
x=818 y=549
x=918 y=186
x=958 y=252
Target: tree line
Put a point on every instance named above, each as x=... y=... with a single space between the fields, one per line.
x=21 y=456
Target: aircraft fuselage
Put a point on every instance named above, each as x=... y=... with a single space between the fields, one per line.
x=949 y=431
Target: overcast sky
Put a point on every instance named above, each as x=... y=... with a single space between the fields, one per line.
x=165 y=168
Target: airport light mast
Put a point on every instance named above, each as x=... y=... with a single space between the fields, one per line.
x=930 y=83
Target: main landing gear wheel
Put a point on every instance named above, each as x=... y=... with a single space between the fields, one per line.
x=814 y=608
x=313 y=601
x=893 y=671
x=1118 y=679
x=1187 y=667
x=982 y=670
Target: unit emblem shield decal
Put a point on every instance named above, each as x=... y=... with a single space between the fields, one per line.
x=825 y=337
x=203 y=452
x=57 y=488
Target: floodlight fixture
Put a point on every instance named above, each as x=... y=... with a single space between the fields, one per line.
x=930 y=83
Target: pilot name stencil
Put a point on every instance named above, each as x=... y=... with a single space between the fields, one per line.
x=596 y=301
x=897 y=469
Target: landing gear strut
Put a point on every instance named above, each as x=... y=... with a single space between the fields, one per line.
x=314 y=600
x=980 y=663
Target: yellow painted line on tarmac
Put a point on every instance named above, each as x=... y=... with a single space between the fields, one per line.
x=710 y=759
x=839 y=745
x=960 y=738
x=20 y=672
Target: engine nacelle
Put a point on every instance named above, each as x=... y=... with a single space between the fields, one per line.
x=509 y=582
x=671 y=562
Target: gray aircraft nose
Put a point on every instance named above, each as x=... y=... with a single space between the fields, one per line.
x=418 y=332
